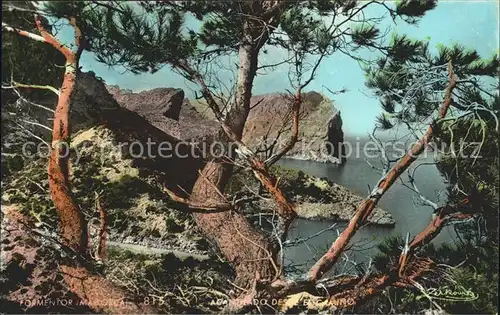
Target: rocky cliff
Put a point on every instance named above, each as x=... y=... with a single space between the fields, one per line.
x=320 y=135
x=168 y=110
x=320 y=129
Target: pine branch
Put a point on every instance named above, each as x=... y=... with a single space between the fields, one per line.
x=327 y=261
x=29 y=35
x=32 y=86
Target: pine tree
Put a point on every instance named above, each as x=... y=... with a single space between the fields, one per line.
x=410 y=84
x=149 y=35
x=90 y=287
x=146 y=36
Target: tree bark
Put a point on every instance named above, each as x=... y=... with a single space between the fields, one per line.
x=101 y=294
x=248 y=250
x=94 y=289
x=73 y=226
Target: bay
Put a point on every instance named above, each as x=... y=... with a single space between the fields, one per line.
x=358 y=176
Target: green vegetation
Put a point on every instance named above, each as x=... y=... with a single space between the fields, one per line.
x=179 y=285
x=130 y=200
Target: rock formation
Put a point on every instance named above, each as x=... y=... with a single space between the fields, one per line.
x=320 y=132
x=160 y=107
x=320 y=129
x=164 y=101
x=167 y=110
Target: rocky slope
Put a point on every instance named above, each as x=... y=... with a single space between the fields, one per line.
x=132 y=195
x=31 y=282
x=137 y=211
x=320 y=135
x=167 y=110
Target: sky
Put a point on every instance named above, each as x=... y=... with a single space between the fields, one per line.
x=473 y=23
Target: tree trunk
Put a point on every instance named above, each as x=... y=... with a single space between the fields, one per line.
x=73 y=227
x=91 y=288
x=100 y=294
x=248 y=251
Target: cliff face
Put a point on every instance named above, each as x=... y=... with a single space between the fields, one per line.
x=320 y=132
x=167 y=110
x=160 y=107
x=320 y=129
x=164 y=101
